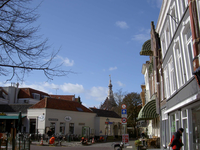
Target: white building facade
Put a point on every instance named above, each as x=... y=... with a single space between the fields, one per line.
x=180 y=105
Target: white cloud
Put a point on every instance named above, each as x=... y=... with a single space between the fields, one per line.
x=122 y=24
x=120 y=83
x=72 y=88
x=142 y=37
x=66 y=61
x=112 y=68
x=97 y=93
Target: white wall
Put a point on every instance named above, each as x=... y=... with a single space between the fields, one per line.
x=86 y=119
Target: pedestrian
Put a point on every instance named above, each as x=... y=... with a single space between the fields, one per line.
x=143 y=135
x=176 y=142
x=49 y=133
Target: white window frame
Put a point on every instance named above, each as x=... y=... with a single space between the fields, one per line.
x=172 y=75
x=180 y=73
x=183 y=4
x=198 y=9
x=155 y=81
x=174 y=21
x=163 y=44
x=167 y=36
x=187 y=61
x=161 y=85
x=164 y=120
x=167 y=87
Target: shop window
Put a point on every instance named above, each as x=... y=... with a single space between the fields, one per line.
x=71 y=128
x=185 y=127
x=52 y=127
x=196 y=128
x=2 y=126
x=62 y=128
x=172 y=124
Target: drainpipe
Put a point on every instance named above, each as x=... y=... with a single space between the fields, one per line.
x=195 y=34
x=16 y=93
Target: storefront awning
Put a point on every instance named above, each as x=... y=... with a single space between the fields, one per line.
x=148 y=111
x=10 y=117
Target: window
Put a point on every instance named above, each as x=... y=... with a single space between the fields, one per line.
x=52 y=127
x=189 y=52
x=167 y=38
x=36 y=96
x=163 y=44
x=172 y=76
x=179 y=63
x=167 y=92
x=155 y=81
x=185 y=126
x=71 y=128
x=161 y=85
x=183 y=5
x=79 y=109
x=198 y=8
x=164 y=127
x=62 y=128
x=196 y=128
x=188 y=49
x=173 y=18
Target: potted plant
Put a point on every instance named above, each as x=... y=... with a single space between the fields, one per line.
x=138 y=143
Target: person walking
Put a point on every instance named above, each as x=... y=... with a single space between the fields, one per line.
x=49 y=133
x=176 y=142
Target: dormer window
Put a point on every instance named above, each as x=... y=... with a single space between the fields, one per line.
x=36 y=96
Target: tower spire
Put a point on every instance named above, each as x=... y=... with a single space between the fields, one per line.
x=110 y=92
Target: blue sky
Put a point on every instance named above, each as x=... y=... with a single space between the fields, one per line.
x=97 y=38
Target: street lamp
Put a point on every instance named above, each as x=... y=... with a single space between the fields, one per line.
x=107 y=121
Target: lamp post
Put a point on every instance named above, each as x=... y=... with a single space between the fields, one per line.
x=107 y=121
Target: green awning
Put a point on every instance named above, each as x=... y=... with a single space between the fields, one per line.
x=146 y=48
x=148 y=111
x=10 y=117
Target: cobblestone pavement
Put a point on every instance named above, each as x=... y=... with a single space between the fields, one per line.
x=77 y=145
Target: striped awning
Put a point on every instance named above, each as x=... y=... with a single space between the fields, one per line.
x=148 y=111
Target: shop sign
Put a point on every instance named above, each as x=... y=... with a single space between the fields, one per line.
x=53 y=119
x=41 y=117
x=81 y=124
x=2 y=114
x=125 y=138
x=68 y=118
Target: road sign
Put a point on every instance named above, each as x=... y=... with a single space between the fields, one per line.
x=124 y=120
x=124 y=111
x=124 y=115
x=123 y=106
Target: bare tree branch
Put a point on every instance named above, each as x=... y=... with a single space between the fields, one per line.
x=20 y=46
